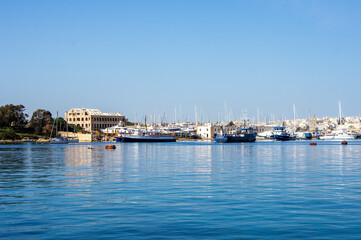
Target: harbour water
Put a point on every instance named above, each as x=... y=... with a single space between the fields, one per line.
x=183 y=190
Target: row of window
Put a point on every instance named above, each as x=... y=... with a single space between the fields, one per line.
x=96 y=126
x=94 y=119
x=76 y=114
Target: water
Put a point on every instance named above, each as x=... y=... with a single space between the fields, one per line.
x=262 y=190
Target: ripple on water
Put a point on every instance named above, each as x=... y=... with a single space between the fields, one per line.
x=181 y=190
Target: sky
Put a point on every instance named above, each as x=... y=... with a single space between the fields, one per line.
x=227 y=58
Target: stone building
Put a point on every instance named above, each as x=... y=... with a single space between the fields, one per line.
x=210 y=130
x=92 y=119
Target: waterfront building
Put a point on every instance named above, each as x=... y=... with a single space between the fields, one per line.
x=210 y=130
x=93 y=119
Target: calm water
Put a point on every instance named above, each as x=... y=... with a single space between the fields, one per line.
x=265 y=190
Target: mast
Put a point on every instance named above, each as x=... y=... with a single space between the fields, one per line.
x=56 y=121
x=340 y=112
x=145 y=122
x=195 y=113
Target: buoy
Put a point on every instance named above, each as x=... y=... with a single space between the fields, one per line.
x=110 y=147
x=313 y=143
x=343 y=143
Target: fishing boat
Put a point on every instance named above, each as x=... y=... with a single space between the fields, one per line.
x=280 y=134
x=245 y=134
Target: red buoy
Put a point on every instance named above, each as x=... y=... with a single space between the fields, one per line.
x=343 y=143
x=313 y=143
x=110 y=147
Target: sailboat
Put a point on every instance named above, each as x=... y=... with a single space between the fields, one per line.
x=61 y=140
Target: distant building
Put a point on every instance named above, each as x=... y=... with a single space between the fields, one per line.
x=93 y=119
x=209 y=130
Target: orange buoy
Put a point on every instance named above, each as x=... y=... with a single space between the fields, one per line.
x=313 y=143
x=343 y=143
x=110 y=147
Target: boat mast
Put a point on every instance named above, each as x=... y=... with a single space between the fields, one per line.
x=145 y=122
x=56 y=121
x=340 y=112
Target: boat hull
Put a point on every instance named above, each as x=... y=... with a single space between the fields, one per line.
x=283 y=138
x=145 y=139
x=236 y=139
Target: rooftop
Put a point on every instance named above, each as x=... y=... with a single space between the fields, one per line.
x=96 y=112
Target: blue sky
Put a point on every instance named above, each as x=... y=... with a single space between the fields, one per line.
x=137 y=57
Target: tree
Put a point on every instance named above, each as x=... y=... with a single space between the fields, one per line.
x=40 y=121
x=12 y=116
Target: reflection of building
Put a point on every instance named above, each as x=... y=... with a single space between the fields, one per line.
x=93 y=119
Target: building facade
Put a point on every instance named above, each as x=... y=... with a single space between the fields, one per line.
x=209 y=130
x=92 y=119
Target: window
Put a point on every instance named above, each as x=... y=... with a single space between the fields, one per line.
x=82 y=119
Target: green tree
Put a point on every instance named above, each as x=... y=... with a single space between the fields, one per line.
x=12 y=116
x=41 y=121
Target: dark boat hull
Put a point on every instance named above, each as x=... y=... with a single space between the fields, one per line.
x=144 y=139
x=283 y=138
x=236 y=139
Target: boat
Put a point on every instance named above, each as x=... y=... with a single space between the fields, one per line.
x=280 y=134
x=59 y=140
x=140 y=135
x=245 y=134
x=145 y=136
x=303 y=135
x=342 y=134
x=62 y=140
x=339 y=135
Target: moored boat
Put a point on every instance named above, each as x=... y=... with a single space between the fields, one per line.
x=280 y=134
x=144 y=136
x=140 y=136
x=241 y=135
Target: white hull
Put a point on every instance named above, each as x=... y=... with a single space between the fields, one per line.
x=338 y=137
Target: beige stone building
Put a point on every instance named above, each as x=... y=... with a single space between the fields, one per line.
x=92 y=119
x=209 y=130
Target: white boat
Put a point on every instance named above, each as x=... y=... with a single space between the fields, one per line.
x=59 y=140
x=340 y=135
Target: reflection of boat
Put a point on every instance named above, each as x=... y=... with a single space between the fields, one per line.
x=241 y=135
x=280 y=134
